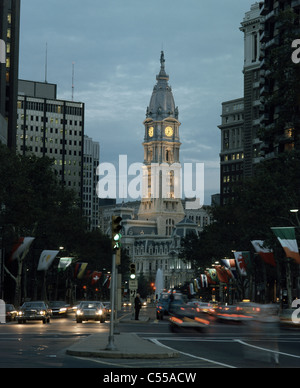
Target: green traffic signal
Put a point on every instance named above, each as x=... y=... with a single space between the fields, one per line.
x=132 y=271
x=115 y=232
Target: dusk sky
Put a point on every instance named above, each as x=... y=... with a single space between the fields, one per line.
x=115 y=46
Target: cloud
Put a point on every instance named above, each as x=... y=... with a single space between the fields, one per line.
x=116 y=46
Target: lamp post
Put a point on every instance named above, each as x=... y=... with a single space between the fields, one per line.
x=295 y=211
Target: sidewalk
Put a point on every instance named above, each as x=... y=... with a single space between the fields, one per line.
x=127 y=345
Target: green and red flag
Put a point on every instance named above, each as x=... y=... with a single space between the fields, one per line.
x=287 y=238
x=265 y=253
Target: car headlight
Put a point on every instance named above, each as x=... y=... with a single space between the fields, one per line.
x=20 y=313
x=62 y=310
x=79 y=312
x=42 y=312
x=100 y=312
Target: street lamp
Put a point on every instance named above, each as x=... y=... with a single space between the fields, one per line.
x=296 y=214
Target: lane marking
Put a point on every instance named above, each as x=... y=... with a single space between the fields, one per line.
x=155 y=341
x=265 y=349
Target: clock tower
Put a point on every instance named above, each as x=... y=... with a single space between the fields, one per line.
x=162 y=170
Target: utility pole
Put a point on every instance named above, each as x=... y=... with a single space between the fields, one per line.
x=116 y=246
x=111 y=341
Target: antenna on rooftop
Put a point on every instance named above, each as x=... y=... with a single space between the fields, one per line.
x=73 y=73
x=46 y=63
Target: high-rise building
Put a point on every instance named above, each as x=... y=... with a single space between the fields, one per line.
x=251 y=27
x=240 y=142
x=90 y=200
x=280 y=114
x=232 y=147
x=9 y=33
x=51 y=127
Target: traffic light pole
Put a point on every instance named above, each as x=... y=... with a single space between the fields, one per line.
x=111 y=341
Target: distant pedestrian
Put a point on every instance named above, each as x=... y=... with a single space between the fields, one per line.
x=137 y=306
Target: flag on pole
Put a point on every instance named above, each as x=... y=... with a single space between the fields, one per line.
x=242 y=262
x=231 y=266
x=211 y=275
x=20 y=247
x=96 y=277
x=79 y=270
x=287 y=239
x=203 y=281
x=222 y=274
x=64 y=263
x=266 y=254
x=46 y=260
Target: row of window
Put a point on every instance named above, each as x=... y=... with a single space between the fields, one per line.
x=234 y=156
x=50 y=140
x=232 y=178
x=50 y=130
x=52 y=121
x=45 y=150
x=50 y=108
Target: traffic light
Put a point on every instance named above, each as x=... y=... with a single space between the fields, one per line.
x=132 y=271
x=115 y=232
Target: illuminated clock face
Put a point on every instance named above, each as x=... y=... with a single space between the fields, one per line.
x=151 y=131
x=169 y=131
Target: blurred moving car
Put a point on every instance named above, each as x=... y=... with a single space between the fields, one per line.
x=169 y=303
x=232 y=313
x=90 y=310
x=11 y=312
x=59 y=308
x=203 y=307
x=34 y=311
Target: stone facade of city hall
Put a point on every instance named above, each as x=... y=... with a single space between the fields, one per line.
x=153 y=227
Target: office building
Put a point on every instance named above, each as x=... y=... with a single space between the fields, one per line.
x=280 y=114
x=90 y=200
x=51 y=127
x=10 y=34
x=232 y=147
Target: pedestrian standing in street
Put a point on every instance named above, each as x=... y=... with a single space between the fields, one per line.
x=137 y=306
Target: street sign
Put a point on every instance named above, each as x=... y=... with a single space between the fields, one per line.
x=133 y=284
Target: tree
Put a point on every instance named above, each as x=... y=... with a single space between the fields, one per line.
x=260 y=202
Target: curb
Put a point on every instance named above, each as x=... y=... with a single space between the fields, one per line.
x=128 y=346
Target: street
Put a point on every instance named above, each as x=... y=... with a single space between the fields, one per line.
x=222 y=345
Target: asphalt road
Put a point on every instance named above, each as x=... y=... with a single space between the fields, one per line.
x=223 y=345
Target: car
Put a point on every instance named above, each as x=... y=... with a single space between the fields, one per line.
x=11 y=312
x=59 y=308
x=235 y=313
x=34 y=311
x=90 y=310
x=169 y=303
x=204 y=307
